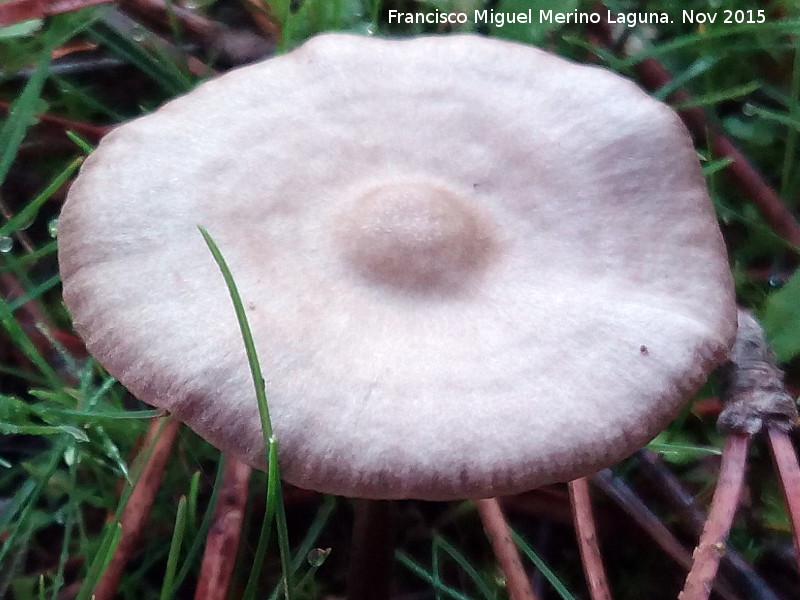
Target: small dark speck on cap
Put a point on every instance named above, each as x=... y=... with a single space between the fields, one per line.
x=643 y=350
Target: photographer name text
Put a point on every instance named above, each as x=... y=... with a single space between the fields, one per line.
x=631 y=19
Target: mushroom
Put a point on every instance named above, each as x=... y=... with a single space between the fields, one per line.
x=471 y=267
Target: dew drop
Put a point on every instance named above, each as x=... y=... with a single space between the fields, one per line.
x=6 y=243
x=70 y=456
x=52 y=228
x=317 y=556
x=748 y=109
x=776 y=281
x=192 y=4
x=138 y=33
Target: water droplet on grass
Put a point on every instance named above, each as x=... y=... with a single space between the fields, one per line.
x=776 y=281
x=52 y=228
x=6 y=243
x=138 y=33
x=317 y=556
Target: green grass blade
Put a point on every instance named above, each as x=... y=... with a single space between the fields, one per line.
x=274 y=506
x=791 y=121
x=194 y=491
x=789 y=162
x=465 y=565
x=28 y=214
x=90 y=417
x=199 y=539
x=412 y=566
x=31 y=257
x=720 y=96
x=688 y=40
x=436 y=567
x=700 y=66
x=247 y=337
x=714 y=166
x=320 y=556
x=18 y=336
x=543 y=568
x=35 y=291
x=69 y=526
x=283 y=532
x=308 y=543
x=80 y=142
x=21 y=114
x=101 y=559
x=251 y=588
x=174 y=550
x=169 y=77
x=315 y=529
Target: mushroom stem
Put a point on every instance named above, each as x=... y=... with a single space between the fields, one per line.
x=369 y=576
x=499 y=534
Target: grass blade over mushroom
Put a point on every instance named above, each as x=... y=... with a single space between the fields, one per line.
x=274 y=492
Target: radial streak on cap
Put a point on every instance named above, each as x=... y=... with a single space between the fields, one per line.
x=471 y=267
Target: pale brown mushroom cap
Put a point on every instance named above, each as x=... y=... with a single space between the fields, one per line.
x=471 y=267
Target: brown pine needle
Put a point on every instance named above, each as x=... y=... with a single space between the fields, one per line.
x=14 y=11
x=160 y=437
x=785 y=458
x=499 y=534
x=712 y=543
x=737 y=571
x=586 y=533
x=222 y=541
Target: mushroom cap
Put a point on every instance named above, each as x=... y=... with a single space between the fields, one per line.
x=471 y=267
